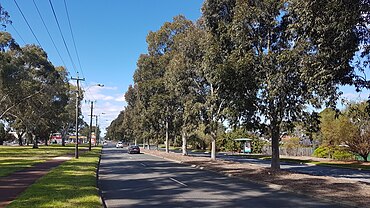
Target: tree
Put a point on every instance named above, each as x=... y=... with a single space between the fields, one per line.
x=271 y=37
x=231 y=86
x=358 y=124
x=33 y=91
x=4 y=17
x=184 y=78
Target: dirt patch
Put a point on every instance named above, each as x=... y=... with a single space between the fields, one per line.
x=347 y=192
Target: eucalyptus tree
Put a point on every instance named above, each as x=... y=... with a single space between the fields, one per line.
x=296 y=52
x=356 y=129
x=184 y=77
x=33 y=91
x=158 y=104
x=231 y=88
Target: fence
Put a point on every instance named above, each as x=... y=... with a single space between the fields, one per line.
x=300 y=151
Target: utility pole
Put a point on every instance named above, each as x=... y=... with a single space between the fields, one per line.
x=96 y=129
x=90 y=129
x=77 y=110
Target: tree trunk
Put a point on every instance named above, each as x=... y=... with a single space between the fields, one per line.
x=156 y=141
x=47 y=139
x=1 y=141
x=213 y=150
x=184 y=144
x=364 y=157
x=213 y=144
x=20 y=138
x=35 y=142
x=167 y=142
x=275 y=136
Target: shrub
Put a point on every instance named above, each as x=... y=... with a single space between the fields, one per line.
x=334 y=152
x=257 y=145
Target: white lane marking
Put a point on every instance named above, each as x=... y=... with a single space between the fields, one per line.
x=143 y=164
x=183 y=184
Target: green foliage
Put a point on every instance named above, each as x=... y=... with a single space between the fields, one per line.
x=350 y=126
x=257 y=145
x=333 y=152
x=292 y=142
x=239 y=63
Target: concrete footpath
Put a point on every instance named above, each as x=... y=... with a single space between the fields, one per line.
x=13 y=185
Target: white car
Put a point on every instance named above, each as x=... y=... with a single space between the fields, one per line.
x=119 y=145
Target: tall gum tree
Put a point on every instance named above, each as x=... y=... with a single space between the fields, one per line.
x=299 y=52
x=184 y=78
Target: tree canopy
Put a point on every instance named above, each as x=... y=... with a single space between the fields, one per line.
x=247 y=63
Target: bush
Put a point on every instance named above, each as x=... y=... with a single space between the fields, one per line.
x=333 y=152
x=257 y=145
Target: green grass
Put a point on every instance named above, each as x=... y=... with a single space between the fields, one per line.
x=72 y=184
x=356 y=166
x=17 y=158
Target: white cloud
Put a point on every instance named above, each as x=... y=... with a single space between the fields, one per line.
x=120 y=98
x=107 y=111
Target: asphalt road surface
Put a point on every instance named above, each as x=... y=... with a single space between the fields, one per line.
x=351 y=174
x=141 y=180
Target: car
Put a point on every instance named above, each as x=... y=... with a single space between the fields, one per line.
x=119 y=145
x=134 y=149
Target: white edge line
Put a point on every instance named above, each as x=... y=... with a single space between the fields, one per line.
x=172 y=179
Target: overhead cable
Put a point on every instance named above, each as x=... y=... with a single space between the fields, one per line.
x=25 y=19
x=19 y=35
x=60 y=31
x=73 y=38
x=52 y=40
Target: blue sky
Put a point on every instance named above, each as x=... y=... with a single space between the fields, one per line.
x=110 y=35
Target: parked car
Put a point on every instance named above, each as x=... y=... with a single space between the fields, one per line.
x=134 y=149
x=119 y=145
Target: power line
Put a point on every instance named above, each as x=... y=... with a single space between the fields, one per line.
x=73 y=38
x=60 y=30
x=16 y=31
x=27 y=23
x=52 y=40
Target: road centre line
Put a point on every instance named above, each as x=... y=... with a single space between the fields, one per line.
x=183 y=184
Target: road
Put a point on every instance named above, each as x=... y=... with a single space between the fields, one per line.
x=351 y=174
x=142 y=180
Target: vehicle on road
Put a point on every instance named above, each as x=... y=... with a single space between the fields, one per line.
x=119 y=145
x=134 y=149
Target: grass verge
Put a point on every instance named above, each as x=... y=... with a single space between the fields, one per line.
x=17 y=158
x=72 y=184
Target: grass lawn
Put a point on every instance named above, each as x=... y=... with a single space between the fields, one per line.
x=13 y=158
x=72 y=184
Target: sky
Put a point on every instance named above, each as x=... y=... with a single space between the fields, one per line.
x=109 y=36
